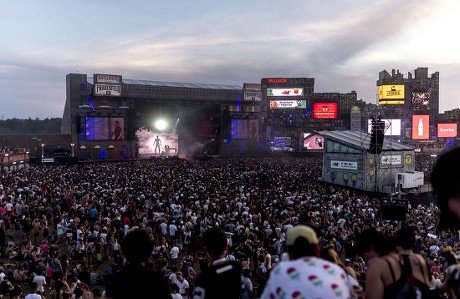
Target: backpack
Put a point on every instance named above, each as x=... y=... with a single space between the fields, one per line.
x=412 y=288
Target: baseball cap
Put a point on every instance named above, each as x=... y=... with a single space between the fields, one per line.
x=301 y=231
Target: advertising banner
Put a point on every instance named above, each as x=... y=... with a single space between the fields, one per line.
x=391 y=160
x=288 y=104
x=348 y=165
x=110 y=90
x=252 y=86
x=284 y=92
x=420 y=127
x=312 y=141
x=391 y=92
x=255 y=96
x=325 y=110
x=110 y=79
x=281 y=141
x=447 y=130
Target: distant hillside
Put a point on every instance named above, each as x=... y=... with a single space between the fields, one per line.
x=30 y=126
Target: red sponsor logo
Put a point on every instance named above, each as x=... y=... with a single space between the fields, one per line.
x=277 y=80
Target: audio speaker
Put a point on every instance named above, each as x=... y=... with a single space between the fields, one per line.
x=377 y=136
x=78 y=124
x=131 y=124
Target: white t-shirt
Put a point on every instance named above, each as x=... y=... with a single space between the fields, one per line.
x=172 y=230
x=182 y=286
x=33 y=296
x=308 y=277
x=174 y=252
x=41 y=282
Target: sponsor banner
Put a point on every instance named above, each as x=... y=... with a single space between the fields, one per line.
x=107 y=90
x=325 y=110
x=281 y=141
x=391 y=92
x=253 y=96
x=348 y=165
x=284 y=92
x=287 y=81
x=252 y=86
x=390 y=160
x=312 y=141
x=420 y=127
x=408 y=159
x=447 y=130
x=47 y=160
x=288 y=104
x=110 y=79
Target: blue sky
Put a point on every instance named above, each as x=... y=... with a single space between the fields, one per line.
x=342 y=44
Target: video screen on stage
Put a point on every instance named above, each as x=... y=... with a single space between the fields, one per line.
x=420 y=127
x=104 y=128
x=151 y=143
x=447 y=130
x=325 y=110
x=244 y=129
x=312 y=141
x=288 y=104
x=392 y=127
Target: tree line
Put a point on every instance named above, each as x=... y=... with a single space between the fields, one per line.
x=30 y=126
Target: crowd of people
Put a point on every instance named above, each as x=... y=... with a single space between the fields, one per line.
x=63 y=229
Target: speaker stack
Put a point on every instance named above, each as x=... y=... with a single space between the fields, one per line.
x=377 y=136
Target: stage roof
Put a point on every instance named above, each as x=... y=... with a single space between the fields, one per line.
x=362 y=140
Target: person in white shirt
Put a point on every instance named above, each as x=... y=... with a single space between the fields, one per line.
x=1 y=274
x=175 y=292
x=41 y=282
x=174 y=254
x=172 y=231
x=183 y=285
x=33 y=292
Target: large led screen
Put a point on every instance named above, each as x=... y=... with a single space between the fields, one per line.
x=312 y=141
x=391 y=94
x=420 y=99
x=392 y=127
x=447 y=130
x=281 y=141
x=420 y=126
x=284 y=92
x=324 y=110
x=151 y=143
x=288 y=104
x=104 y=128
x=244 y=129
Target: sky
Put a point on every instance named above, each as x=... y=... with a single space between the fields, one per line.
x=342 y=44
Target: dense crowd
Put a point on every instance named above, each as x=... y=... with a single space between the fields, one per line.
x=61 y=226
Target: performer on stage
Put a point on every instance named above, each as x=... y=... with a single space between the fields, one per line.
x=157 y=144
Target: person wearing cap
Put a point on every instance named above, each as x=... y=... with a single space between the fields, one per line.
x=305 y=275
